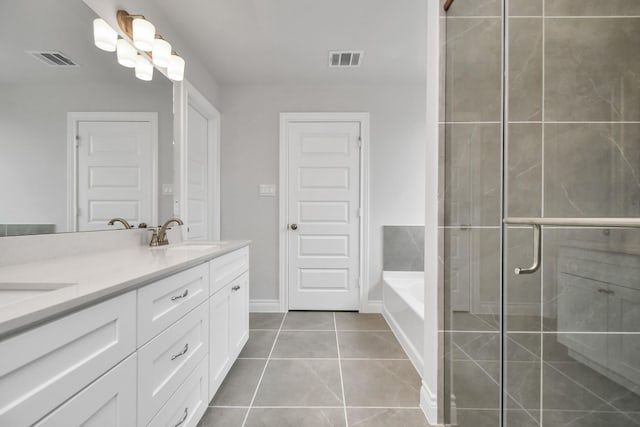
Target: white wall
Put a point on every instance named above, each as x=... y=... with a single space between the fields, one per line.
x=249 y=156
x=33 y=142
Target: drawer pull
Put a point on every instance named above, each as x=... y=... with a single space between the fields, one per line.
x=186 y=292
x=236 y=288
x=605 y=291
x=184 y=417
x=184 y=350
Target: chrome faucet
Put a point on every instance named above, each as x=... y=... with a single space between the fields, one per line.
x=159 y=237
x=120 y=220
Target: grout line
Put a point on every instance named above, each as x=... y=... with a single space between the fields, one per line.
x=255 y=393
x=344 y=398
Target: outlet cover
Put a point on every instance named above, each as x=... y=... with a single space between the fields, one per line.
x=167 y=189
x=267 y=190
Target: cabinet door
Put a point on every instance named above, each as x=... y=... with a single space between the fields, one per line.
x=239 y=324
x=624 y=346
x=219 y=342
x=45 y=366
x=108 y=402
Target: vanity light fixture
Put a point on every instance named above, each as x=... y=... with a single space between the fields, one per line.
x=175 y=70
x=126 y=53
x=104 y=36
x=161 y=52
x=144 y=33
x=144 y=68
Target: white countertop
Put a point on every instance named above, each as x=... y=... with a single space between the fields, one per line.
x=95 y=277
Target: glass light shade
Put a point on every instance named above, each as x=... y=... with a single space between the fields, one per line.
x=175 y=69
x=144 y=33
x=144 y=68
x=161 y=53
x=104 y=36
x=127 y=54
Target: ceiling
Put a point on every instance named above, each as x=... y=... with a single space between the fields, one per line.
x=278 y=41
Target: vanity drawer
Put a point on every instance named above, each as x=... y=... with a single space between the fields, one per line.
x=227 y=267
x=162 y=303
x=43 y=367
x=108 y=402
x=166 y=361
x=188 y=404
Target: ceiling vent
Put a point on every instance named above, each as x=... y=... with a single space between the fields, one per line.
x=346 y=59
x=53 y=58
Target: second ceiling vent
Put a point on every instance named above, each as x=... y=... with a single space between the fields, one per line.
x=345 y=58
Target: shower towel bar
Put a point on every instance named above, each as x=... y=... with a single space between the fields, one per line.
x=537 y=224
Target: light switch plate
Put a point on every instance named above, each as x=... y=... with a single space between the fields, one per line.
x=167 y=189
x=267 y=190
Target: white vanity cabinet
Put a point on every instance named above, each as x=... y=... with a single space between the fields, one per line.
x=228 y=312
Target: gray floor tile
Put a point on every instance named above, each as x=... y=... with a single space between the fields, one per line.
x=562 y=393
x=370 y=345
x=265 y=320
x=383 y=383
x=462 y=321
x=259 y=344
x=300 y=382
x=587 y=419
x=374 y=417
x=520 y=418
x=301 y=344
x=346 y=321
x=223 y=417
x=478 y=418
x=473 y=387
x=238 y=387
x=309 y=320
x=297 y=417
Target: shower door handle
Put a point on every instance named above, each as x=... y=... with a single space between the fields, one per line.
x=537 y=252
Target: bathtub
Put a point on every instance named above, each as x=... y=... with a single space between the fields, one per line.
x=403 y=308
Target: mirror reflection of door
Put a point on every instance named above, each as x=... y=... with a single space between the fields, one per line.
x=115 y=169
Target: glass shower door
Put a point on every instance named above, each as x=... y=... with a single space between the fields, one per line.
x=571 y=327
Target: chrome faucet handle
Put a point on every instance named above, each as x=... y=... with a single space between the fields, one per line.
x=154 y=237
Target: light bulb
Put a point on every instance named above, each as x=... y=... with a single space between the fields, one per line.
x=127 y=54
x=175 y=69
x=104 y=36
x=161 y=53
x=144 y=33
x=144 y=68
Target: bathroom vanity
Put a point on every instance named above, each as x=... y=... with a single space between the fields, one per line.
x=129 y=336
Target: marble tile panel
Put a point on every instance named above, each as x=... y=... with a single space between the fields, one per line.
x=561 y=393
x=303 y=344
x=403 y=248
x=525 y=7
x=522 y=385
x=265 y=320
x=473 y=85
x=587 y=419
x=525 y=69
x=308 y=320
x=223 y=417
x=29 y=229
x=296 y=417
x=521 y=418
x=484 y=346
x=259 y=344
x=590 y=77
x=300 y=382
x=386 y=417
x=524 y=169
x=238 y=387
x=381 y=383
x=370 y=345
x=592 y=170
x=591 y=8
x=474 y=387
x=475 y=8
x=472 y=169
x=347 y=321
x=478 y=418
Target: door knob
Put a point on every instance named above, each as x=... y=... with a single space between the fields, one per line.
x=293 y=226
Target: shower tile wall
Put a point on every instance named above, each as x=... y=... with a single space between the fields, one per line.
x=573 y=130
x=403 y=248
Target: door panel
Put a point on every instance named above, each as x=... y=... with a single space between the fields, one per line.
x=324 y=201
x=197 y=178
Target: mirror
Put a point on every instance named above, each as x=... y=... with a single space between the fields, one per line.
x=37 y=174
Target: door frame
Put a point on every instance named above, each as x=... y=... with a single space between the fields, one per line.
x=185 y=95
x=72 y=156
x=283 y=221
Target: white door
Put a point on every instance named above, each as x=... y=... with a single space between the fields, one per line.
x=197 y=218
x=115 y=173
x=324 y=215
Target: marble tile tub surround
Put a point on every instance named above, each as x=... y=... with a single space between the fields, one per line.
x=403 y=248
x=26 y=229
x=315 y=369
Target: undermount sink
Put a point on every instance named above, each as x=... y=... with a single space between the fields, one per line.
x=13 y=292
x=193 y=246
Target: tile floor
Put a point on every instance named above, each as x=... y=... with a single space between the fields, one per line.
x=319 y=369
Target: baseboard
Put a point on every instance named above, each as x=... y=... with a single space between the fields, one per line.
x=264 y=306
x=372 y=307
x=429 y=404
